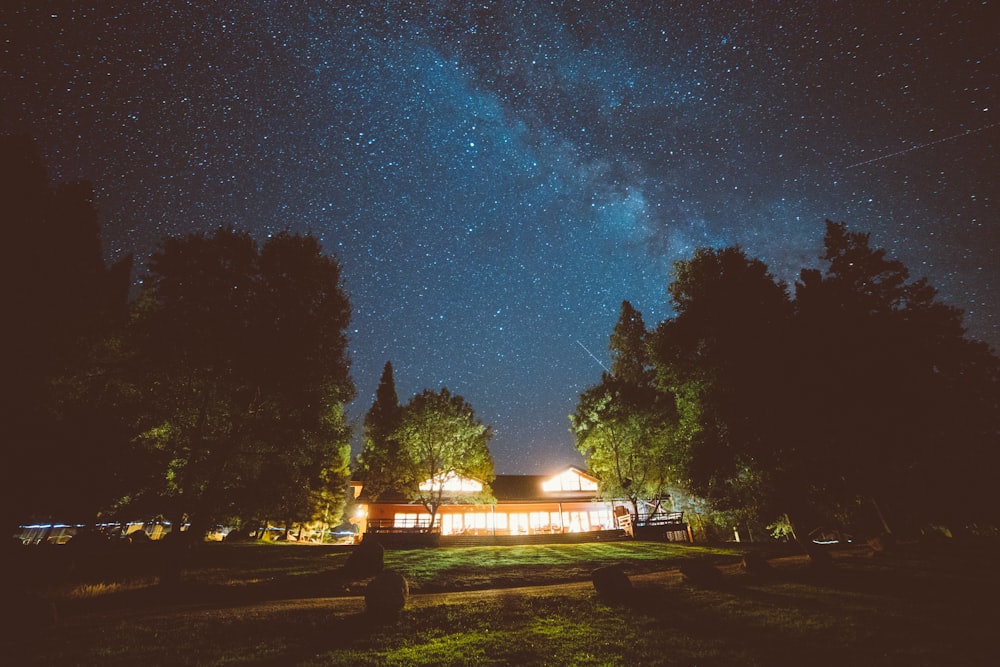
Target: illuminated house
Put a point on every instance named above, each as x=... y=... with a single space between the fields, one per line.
x=525 y=505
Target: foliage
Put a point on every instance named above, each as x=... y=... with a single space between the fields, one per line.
x=441 y=440
x=893 y=386
x=64 y=402
x=242 y=353
x=624 y=427
x=624 y=432
x=722 y=358
x=377 y=464
x=630 y=362
x=863 y=387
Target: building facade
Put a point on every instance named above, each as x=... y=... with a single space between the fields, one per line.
x=566 y=502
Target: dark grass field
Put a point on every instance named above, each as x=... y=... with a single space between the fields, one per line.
x=293 y=605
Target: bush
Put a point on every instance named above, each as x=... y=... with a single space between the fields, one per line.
x=237 y=535
x=386 y=595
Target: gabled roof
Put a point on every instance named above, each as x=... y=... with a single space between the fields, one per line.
x=512 y=488
x=529 y=488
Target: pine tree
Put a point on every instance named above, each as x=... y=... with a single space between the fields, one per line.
x=378 y=462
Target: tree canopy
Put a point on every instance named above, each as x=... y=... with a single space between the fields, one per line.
x=441 y=442
x=721 y=357
x=378 y=462
x=63 y=310
x=243 y=358
x=863 y=387
x=623 y=426
x=893 y=386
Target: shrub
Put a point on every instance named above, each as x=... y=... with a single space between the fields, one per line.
x=237 y=535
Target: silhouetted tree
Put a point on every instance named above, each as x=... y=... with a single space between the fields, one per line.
x=630 y=360
x=440 y=442
x=244 y=358
x=378 y=465
x=726 y=359
x=892 y=385
x=61 y=309
x=862 y=392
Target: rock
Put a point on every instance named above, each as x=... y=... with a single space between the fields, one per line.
x=386 y=595
x=755 y=563
x=882 y=544
x=367 y=559
x=611 y=583
x=701 y=572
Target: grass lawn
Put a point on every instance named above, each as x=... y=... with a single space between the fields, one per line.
x=291 y=605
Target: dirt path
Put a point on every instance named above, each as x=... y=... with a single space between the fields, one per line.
x=355 y=604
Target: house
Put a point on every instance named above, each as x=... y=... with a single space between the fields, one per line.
x=525 y=505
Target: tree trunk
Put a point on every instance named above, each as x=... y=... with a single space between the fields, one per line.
x=817 y=556
x=635 y=510
x=798 y=534
x=881 y=517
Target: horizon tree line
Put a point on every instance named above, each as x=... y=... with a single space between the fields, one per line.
x=219 y=392
x=859 y=404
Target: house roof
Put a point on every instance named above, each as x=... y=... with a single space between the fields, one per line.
x=526 y=488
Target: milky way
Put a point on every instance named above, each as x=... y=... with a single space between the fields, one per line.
x=495 y=181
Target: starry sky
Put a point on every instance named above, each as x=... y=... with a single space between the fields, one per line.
x=495 y=178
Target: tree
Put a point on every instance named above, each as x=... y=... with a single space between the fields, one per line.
x=62 y=311
x=628 y=345
x=862 y=388
x=378 y=463
x=441 y=442
x=894 y=386
x=725 y=357
x=623 y=426
x=243 y=357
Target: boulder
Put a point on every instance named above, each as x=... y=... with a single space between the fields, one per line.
x=701 y=572
x=611 y=583
x=366 y=560
x=386 y=595
x=755 y=563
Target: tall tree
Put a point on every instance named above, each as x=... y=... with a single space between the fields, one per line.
x=894 y=385
x=630 y=360
x=725 y=357
x=378 y=463
x=623 y=426
x=863 y=388
x=442 y=442
x=243 y=353
x=62 y=309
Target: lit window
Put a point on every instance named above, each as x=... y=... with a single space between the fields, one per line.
x=570 y=480
x=453 y=483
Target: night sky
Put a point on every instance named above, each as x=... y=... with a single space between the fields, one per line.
x=496 y=179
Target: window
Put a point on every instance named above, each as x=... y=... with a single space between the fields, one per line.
x=570 y=480
x=454 y=483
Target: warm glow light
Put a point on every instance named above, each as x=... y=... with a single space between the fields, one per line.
x=454 y=483
x=570 y=480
